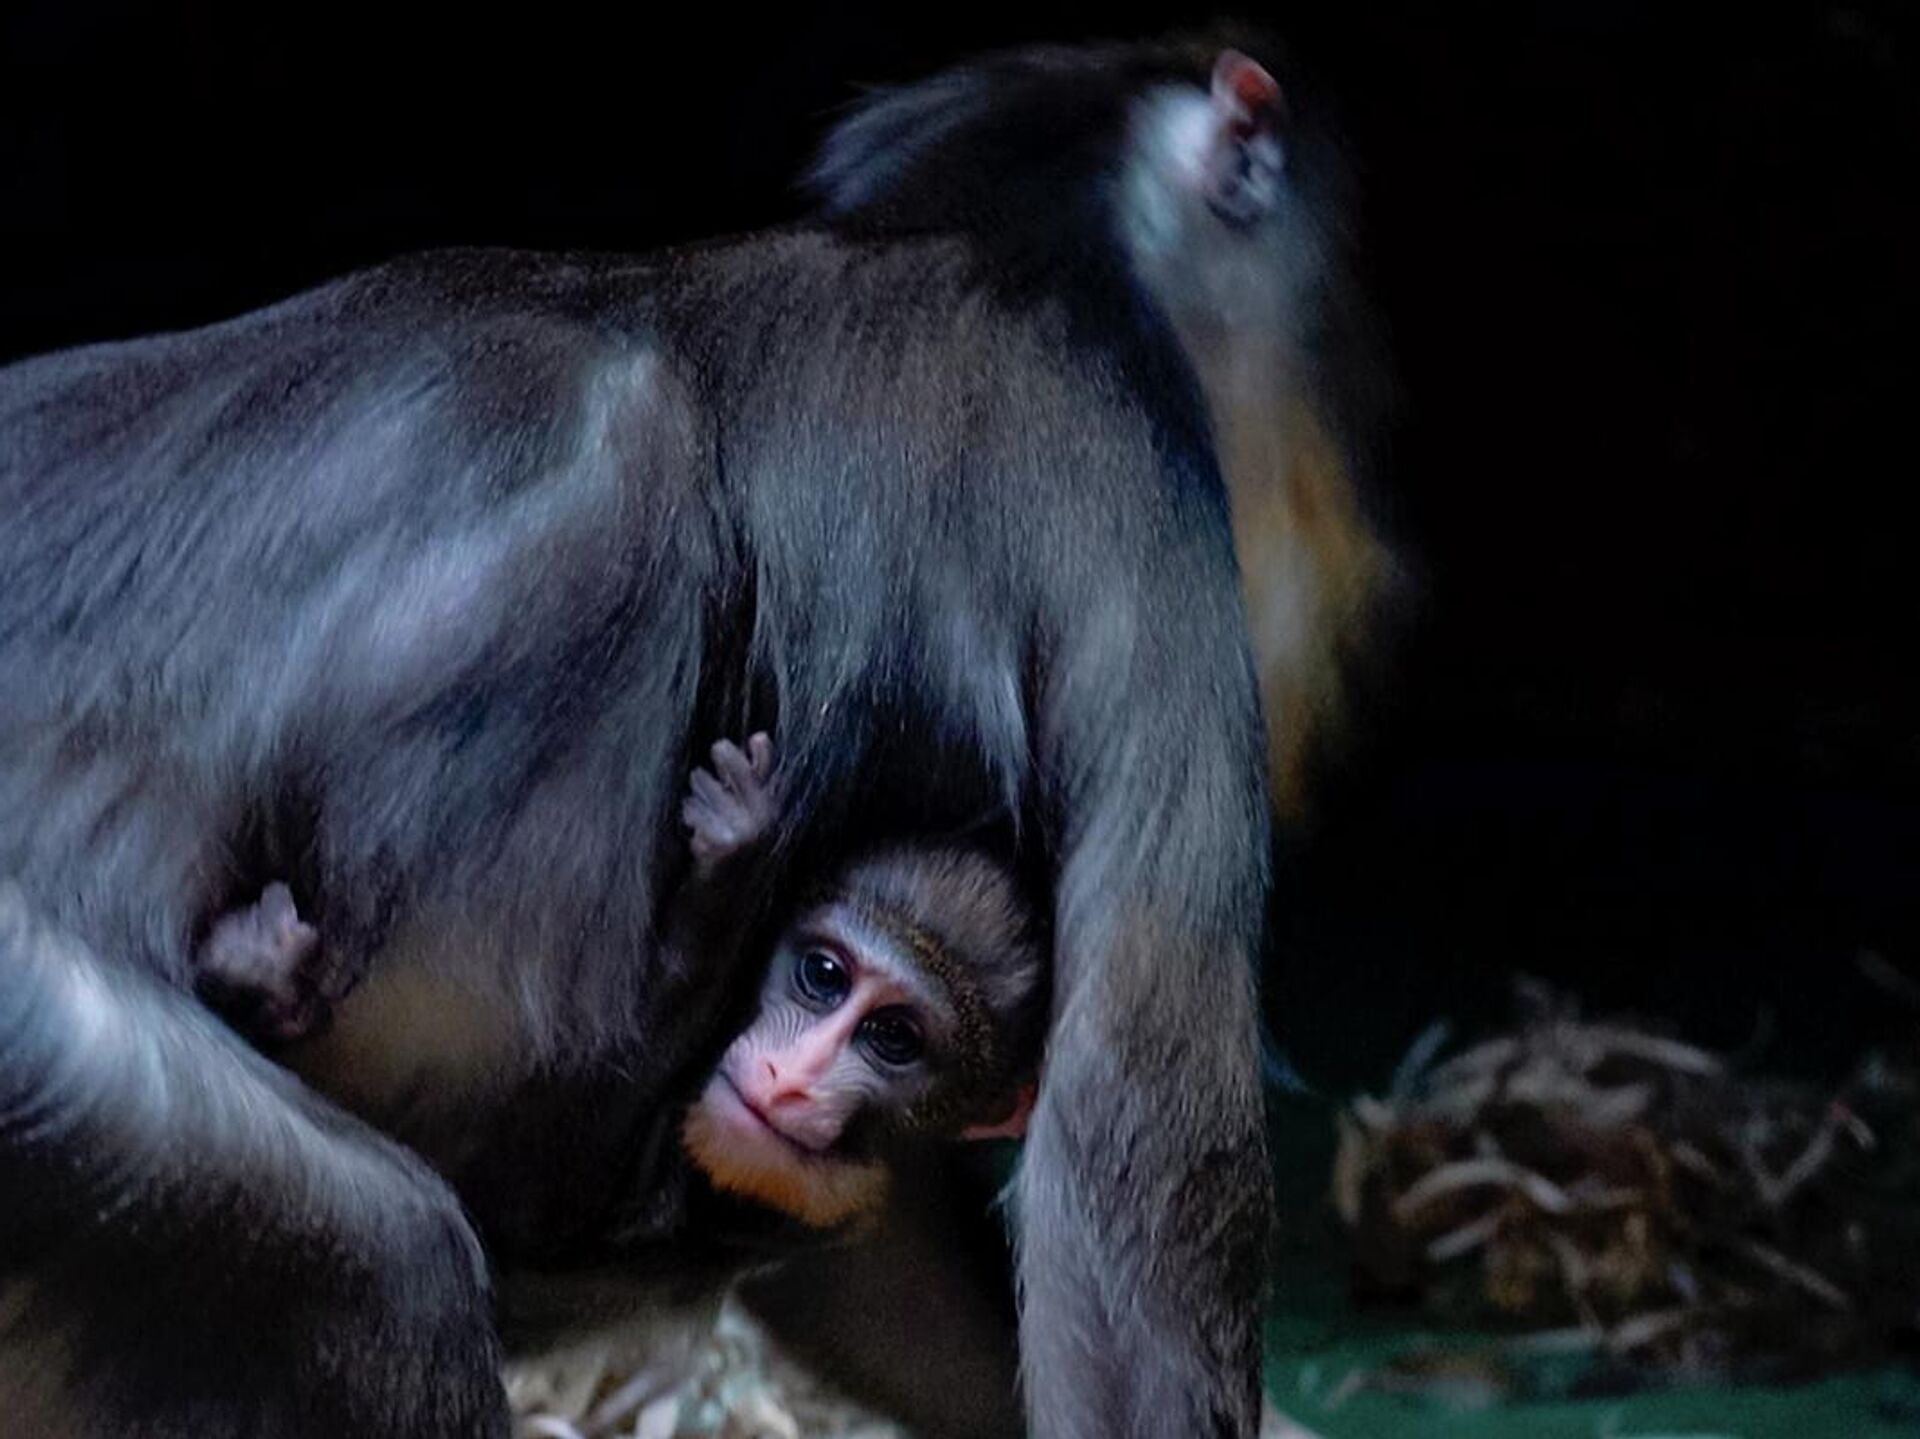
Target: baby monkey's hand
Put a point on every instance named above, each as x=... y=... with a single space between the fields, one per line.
x=732 y=805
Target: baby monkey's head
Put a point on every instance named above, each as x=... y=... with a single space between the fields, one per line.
x=903 y=1002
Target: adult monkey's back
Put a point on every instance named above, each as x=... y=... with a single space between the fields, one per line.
x=419 y=591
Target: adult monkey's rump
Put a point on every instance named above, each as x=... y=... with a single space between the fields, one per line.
x=419 y=592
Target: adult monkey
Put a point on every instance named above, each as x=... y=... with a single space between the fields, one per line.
x=416 y=592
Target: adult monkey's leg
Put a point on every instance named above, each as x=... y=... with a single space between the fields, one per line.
x=164 y=1192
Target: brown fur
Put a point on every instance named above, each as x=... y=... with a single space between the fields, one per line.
x=1312 y=570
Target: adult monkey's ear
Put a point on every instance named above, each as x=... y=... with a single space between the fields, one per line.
x=1246 y=97
x=1244 y=154
x=1014 y=1125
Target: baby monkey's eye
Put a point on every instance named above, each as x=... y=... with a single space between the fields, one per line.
x=893 y=1037
x=822 y=977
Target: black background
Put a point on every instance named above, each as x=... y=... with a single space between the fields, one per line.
x=1649 y=276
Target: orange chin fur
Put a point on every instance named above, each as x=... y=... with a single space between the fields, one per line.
x=822 y=1192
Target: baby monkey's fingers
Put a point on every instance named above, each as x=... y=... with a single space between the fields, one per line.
x=730 y=762
x=760 y=754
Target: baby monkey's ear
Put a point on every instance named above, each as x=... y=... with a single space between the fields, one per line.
x=1014 y=1125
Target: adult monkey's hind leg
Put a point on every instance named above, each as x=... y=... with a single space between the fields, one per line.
x=275 y=1236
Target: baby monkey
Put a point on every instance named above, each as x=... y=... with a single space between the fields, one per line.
x=901 y=1002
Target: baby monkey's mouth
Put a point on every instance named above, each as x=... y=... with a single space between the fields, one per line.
x=736 y=1098
x=743 y=1150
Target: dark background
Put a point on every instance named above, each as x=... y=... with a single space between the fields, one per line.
x=1649 y=276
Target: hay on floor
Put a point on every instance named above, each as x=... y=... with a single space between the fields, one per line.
x=729 y=1382
x=1615 y=1189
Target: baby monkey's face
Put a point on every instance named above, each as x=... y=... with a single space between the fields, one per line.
x=853 y=1038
